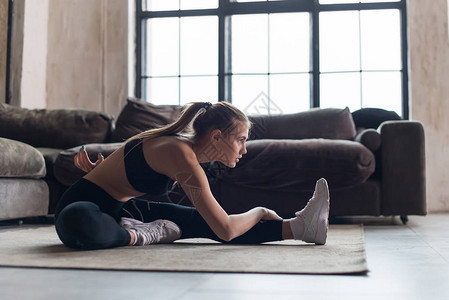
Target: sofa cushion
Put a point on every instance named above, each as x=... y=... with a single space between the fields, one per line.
x=58 y=128
x=295 y=165
x=64 y=168
x=373 y=117
x=139 y=115
x=19 y=160
x=370 y=138
x=327 y=123
x=50 y=156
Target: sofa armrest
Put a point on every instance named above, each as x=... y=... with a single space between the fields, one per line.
x=20 y=160
x=403 y=168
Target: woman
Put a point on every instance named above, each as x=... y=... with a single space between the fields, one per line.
x=101 y=209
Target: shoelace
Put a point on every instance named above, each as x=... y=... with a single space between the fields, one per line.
x=150 y=235
x=310 y=228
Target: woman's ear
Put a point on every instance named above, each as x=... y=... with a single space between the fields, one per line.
x=215 y=134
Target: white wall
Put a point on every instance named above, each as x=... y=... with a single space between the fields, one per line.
x=69 y=54
x=34 y=67
x=429 y=75
x=87 y=54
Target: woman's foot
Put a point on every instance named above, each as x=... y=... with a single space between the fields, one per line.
x=311 y=223
x=158 y=231
x=129 y=222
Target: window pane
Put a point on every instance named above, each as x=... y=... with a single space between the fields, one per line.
x=378 y=1
x=340 y=90
x=248 y=92
x=250 y=43
x=162 y=46
x=199 y=89
x=160 y=5
x=338 y=1
x=339 y=41
x=382 y=89
x=198 y=4
x=199 y=45
x=289 y=42
x=163 y=90
x=355 y=1
x=289 y=93
x=381 y=41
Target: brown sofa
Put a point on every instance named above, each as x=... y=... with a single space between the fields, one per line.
x=373 y=166
x=30 y=142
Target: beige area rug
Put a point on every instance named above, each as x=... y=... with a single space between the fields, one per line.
x=344 y=253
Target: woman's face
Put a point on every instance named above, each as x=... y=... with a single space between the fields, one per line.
x=233 y=146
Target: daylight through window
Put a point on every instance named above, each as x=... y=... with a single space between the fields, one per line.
x=273 y=57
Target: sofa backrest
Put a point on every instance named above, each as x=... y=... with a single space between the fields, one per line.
x=329 y=123
x=139 y=115
x=326 y=123
x=54 y=128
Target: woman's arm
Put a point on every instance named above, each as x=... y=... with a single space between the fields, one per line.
x=184 y=168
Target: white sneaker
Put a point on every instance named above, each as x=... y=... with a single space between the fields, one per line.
x=158 y=231
x=128 y=222
x=312 y=221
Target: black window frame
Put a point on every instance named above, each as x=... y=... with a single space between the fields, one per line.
x=228 y=8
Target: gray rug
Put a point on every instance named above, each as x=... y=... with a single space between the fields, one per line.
x=344 y=253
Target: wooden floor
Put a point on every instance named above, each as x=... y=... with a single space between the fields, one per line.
x=406 y=262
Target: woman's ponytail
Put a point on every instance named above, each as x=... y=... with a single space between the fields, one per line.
x=189 y=113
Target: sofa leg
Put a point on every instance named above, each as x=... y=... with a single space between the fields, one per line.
x=404 y=219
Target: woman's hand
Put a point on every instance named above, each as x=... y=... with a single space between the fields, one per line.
x=270 y=215
x=83 y=162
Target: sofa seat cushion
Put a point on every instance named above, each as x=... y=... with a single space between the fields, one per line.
x=20 y=160
x=295 y=165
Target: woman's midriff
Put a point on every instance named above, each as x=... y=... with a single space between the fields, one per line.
x=111 y=177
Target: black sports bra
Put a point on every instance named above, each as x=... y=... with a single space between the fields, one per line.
x=140 y=175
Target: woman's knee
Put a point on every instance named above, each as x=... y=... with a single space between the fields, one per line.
x=75 y=223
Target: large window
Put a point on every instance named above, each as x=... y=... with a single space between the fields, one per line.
x=272 y=56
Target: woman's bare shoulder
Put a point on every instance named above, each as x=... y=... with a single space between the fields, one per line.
x=169 y=143
x=170 y=150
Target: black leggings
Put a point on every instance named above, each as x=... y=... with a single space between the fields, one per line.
x=87 y=218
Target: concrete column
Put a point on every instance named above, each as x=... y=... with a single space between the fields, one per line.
x=34 y=63
x=429 y=75
x=87 y=54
